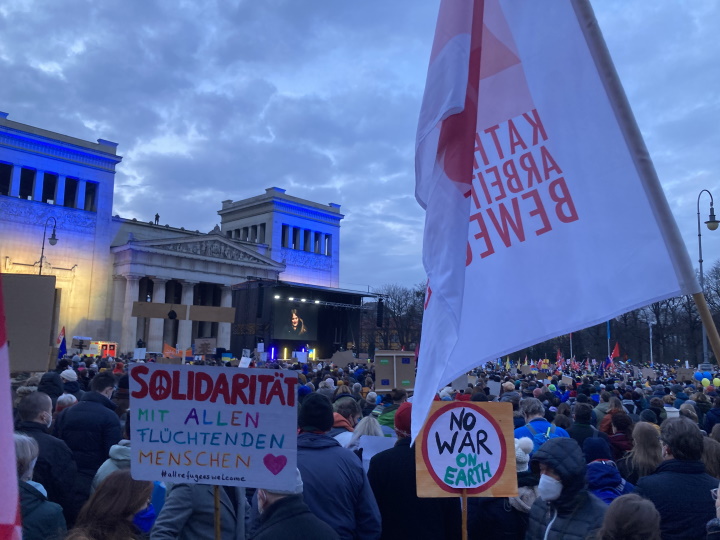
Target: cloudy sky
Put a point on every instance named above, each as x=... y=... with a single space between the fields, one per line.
x=213 y=100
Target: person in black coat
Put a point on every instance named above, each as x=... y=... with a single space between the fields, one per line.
x=582 y=427
x=404 y=514
x=506 y=518
x=680 y=488
x=712 y=417
x=41 y=519
x=284 y=514
x=55 y=468
x=90 y=428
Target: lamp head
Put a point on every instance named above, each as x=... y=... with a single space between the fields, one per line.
x=712 y=223
x=53 y=239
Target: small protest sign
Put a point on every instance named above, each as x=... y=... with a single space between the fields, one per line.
x=649 y=373
x=467 y=448
x=212 y=425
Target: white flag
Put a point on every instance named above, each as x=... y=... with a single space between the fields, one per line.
x=544 y=214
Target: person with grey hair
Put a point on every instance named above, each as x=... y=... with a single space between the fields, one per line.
x=41 y=519
x=357 y=392
x=536 y=426
x=367 y=426
x=284 y=514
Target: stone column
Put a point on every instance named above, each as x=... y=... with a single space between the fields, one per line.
x=253 y=233
x=129 y=324
x=118 y=306
x=224 y=328
x=286 y=231
x=155 y=333
x=38 y=185
x=323 y=244
x=60 y=190
x=80 y=195
x=169 y=325
x=184 y=339
x=15 y=181
x=261 y=233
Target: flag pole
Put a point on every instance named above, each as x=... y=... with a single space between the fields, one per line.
x=218 y=529
x=708 y=323
x=608 y=337
x=464 y=502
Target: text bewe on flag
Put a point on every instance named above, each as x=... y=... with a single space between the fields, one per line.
x=544 y=214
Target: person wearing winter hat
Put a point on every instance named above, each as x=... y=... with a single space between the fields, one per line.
x=70 y=383
x=335 y=487
x=284 y=514
x=564 y=507
x=369 y=404
x=392 y=477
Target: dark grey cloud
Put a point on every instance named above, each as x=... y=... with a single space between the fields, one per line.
x=220 y=99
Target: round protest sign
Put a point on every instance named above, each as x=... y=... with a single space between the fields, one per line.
x=464 y=448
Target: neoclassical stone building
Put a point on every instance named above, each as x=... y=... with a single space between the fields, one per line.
x=105 y=263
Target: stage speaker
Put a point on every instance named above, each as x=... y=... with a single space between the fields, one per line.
x=379 y=321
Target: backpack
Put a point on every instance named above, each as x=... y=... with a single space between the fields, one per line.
x=541 y=438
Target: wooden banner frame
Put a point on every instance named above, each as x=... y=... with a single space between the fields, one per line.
x=499 y=414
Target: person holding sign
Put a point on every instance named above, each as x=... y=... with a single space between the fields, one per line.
x=392 y=476
x=189 y=513
x=564 y=510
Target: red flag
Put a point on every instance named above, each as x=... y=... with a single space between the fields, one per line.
x=616 y=351
x=10 y=526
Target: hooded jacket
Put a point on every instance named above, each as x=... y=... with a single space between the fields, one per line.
x=576 y=513
x=712 y=417
x=680 y=398
x=335 y=487
x=119 y=458
x=42 y=519
x=605 y=482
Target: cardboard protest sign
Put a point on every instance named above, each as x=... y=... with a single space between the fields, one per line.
x=685 y=374
x=212 y=425
x=648 y=373
x=467 y=448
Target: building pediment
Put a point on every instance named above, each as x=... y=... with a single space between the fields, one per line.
x=212 y=246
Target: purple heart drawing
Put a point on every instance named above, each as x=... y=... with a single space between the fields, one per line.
x=275 y=464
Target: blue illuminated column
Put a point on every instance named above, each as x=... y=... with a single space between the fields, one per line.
x=38 y=185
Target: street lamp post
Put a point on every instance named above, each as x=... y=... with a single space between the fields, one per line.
x=712 y=224
x=53 y=240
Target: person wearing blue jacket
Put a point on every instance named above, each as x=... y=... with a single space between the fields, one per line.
x=335 y=486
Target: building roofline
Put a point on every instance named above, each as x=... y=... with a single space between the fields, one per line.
x=102 y=146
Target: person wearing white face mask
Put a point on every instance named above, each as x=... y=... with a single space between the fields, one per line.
x=55 y=468
x=564 y=508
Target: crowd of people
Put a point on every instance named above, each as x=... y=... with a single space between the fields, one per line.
x=608 y=457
